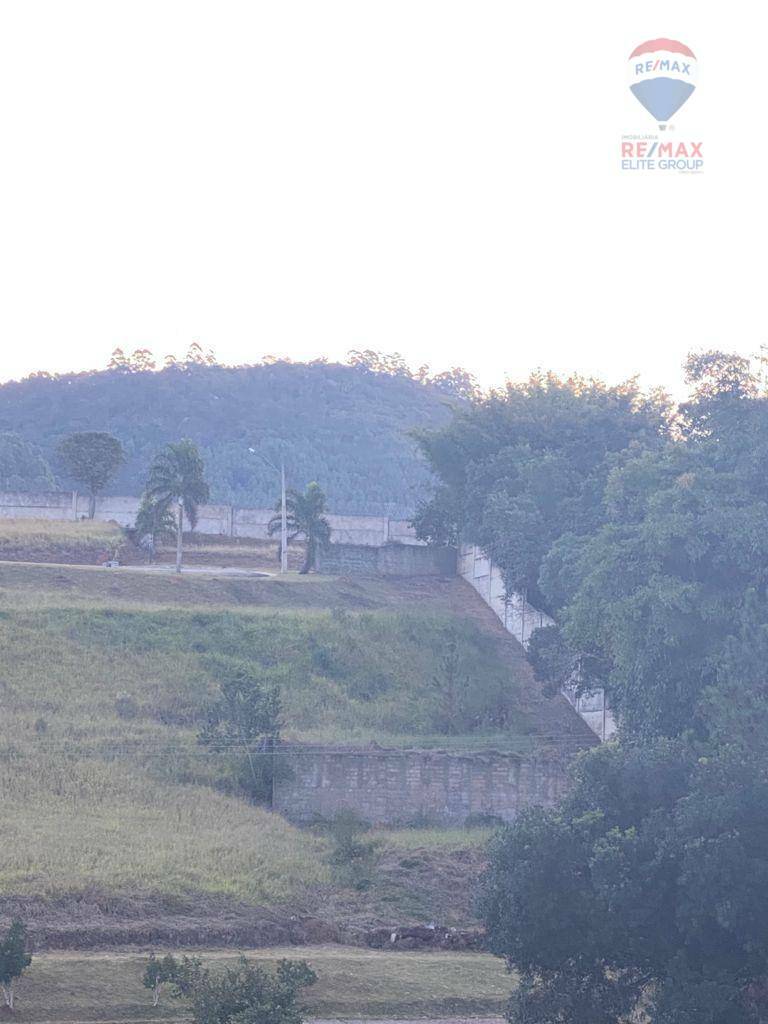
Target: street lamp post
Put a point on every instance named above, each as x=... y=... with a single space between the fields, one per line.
x=283 y=508
x=283 y=521
x=179 y=533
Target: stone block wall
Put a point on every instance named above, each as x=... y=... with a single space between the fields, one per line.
x=348 y=560
x=389 y=787
x=390 y=560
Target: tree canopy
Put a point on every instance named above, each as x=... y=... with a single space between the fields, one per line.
x=91 y=458
x=519 y=468
x=643 y=893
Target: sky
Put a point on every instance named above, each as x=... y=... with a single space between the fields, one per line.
x=437 y=178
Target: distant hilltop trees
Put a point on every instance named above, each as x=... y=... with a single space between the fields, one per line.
x=347 y=426
x=456 y=381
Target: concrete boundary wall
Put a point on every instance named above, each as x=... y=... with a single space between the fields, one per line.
x=388 y=787
x=218 y=520
x=520 y=619
x=392 y=559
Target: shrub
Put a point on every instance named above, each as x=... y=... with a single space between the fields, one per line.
x=353 y=854
x=14 y=960
x=126 y=706
x=247 y=994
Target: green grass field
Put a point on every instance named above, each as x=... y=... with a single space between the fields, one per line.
x=351 y=982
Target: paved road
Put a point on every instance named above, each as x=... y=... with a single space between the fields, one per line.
x=199 y=570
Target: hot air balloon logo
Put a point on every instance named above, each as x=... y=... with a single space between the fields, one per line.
x=662 y=76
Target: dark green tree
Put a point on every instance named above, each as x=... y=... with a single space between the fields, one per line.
x=245 y=715
x=653 y=595
x=14 y=959
x=91 y=458
x=644 y=892
x=249 y=994
x=519 y=468
x=438 y=519
x=176 y=482
x=723 y=389
x=306 y=518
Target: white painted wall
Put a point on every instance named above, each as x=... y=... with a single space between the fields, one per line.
x=520 y=619
x=221 y=520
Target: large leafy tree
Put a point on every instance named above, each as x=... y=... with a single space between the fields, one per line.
x=305 y=513
x=91 y=458
x=649 y=599
x=177 y=482
x=644 y=894
x=519 y=468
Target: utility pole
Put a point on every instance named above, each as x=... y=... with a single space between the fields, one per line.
x=179 y=534
x=283 y=507
x=283 y=522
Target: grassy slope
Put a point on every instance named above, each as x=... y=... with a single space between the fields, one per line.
x=351 y=982
x=126 y=806
x=87 y=542
x=37 y=540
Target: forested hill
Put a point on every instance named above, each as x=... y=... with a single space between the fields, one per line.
x=344 y=426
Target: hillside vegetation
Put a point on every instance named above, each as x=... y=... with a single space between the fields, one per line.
x=81 y=987
x=47 y=540
x=344 y=426
x=107 y=791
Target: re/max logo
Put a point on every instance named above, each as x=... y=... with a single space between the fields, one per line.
x=644 y=150
x=662 y=65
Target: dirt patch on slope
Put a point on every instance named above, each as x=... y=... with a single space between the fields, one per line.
x=423 y=896
x=101 y=921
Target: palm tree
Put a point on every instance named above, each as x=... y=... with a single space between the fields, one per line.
x=305 y=515
x=154 y=522
x=176 y=482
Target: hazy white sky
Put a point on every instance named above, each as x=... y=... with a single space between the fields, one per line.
x=433 y=177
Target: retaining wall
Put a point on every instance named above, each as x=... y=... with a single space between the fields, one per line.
x=520 y=619
x=388 y=787
x=389 y=560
